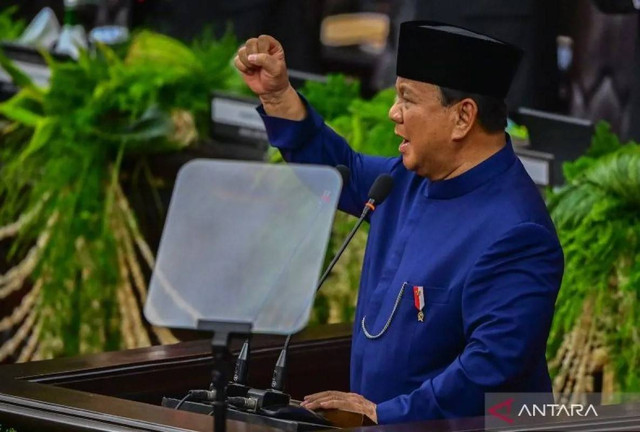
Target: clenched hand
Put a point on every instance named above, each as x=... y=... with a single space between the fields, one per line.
x=261 y=62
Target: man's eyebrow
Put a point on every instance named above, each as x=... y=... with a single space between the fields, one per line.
x=405 y=90
x=402 y=88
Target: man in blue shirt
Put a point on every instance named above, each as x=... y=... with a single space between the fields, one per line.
x=463 y=265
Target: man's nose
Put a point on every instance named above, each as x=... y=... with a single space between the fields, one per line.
x=394 y=113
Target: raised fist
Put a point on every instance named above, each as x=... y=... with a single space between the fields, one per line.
x=261 y=62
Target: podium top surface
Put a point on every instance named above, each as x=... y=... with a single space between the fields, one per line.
x=243 y=242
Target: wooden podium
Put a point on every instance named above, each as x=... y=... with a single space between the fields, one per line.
x=122 y=391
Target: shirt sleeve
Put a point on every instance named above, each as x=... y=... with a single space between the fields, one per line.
x=312 y=141
x=507 y=308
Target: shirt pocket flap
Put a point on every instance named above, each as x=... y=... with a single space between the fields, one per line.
x=435 y=295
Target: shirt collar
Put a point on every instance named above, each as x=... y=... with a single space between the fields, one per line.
x=473 y=178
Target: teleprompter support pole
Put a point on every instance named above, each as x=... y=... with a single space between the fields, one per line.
x=222 y=333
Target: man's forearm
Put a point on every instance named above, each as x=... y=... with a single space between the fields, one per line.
x=286 y=104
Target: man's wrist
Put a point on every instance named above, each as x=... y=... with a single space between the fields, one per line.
x=276 y=98
x=284 y=103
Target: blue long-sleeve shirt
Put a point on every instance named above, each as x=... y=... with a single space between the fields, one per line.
x=484 y=251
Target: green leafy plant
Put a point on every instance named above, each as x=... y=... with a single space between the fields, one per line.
x=597 y=215
x=363 y=123
x=10 y=27
x=332 y=98
x=77 y=249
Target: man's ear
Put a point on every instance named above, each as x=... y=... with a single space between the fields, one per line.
x=466 y=112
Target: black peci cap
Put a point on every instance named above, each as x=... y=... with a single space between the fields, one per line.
x=456 y=58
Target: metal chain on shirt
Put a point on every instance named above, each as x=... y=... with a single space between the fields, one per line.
x=386 y=326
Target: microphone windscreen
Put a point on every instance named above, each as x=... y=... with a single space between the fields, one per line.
x=381 y=188
x=344 y=173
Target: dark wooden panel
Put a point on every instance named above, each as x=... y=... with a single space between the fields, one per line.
x=105 y=392
x=313 y=366
x=83 y=392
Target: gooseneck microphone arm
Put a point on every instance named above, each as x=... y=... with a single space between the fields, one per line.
x=377 y=194
x=281 y=360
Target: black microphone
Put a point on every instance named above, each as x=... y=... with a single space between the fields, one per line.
x=242 y=365
x=379 y=191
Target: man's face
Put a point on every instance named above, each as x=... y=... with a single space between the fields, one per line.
x=426 y=128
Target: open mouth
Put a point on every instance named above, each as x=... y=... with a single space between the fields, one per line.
x=404 y=146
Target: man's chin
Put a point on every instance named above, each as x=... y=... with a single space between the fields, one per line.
x=408 y=163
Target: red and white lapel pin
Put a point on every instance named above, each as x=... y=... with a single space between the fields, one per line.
x=418 y=300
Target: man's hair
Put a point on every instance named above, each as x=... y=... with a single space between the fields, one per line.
x=492 y=111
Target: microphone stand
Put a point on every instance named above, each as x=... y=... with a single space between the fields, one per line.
x=222 y=333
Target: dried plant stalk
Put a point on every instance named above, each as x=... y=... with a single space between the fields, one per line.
x=10 y=346
x=26 y=305
x=27 y=352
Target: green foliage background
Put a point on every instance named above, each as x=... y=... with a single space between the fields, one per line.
x=597 y=215
x=10 y=26
x=61 y=148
